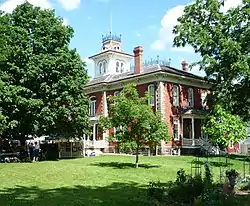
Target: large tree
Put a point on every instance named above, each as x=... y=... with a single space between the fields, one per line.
x=222 y=39
x=223 y=127
x=41 y=78
x=136 y=122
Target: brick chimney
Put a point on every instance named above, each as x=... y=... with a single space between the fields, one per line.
x=184 y=65
x=138 y=60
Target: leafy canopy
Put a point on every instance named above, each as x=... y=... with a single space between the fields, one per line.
x=222 y=39
x=223 y=127
x=134 y=119
x=41 y=78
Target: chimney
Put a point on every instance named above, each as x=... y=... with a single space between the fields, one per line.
x=184 y=65
x=138 y=60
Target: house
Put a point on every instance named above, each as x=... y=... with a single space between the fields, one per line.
x=178 y=94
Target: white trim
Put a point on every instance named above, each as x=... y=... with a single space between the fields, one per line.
x=92 y=113
x=190 y=97
x=151 y=101
x=176 y=102
x=176 y=120
x=155 y=77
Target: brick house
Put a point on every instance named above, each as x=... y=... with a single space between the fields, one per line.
x=176 y=93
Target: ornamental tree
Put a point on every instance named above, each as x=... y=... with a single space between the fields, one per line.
x=223 y=127
x=135 y=120
x=41 y=78
x=222 y=39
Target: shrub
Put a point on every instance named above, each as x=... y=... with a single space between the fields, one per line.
x=243 y=183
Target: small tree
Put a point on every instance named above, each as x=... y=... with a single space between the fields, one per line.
x=136 y=122
x=223 y=127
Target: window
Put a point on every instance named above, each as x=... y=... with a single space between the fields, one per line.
x=190 y=97
x=204 y=98
x=117 y=66
x=176 y=96
x=104 y=67
x=100 y=68
x=122 y=67
x=92 y=107
x=151 y=91
x=176 y=129
x=116 y=93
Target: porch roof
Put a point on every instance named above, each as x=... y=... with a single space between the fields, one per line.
x=194 y=112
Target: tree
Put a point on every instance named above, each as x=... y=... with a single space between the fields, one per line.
x=41 y=78
x=223 y=127
x=222 y=40
x=135 y=120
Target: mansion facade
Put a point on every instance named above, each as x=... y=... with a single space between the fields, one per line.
x=176 y=93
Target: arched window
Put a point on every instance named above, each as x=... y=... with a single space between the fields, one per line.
x=176 y=96
x=151 y=91
x=100 y=68
x=117 y=66
x=104 y=67
x=92 y=106
x=116 y=93
x=190 y=97
x=122 y=67
x=204 y=98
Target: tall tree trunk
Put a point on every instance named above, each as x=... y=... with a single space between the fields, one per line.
x=137 y=156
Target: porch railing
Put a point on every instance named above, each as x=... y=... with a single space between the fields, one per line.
x=95 y=144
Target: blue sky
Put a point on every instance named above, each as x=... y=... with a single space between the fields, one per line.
x=147 y=23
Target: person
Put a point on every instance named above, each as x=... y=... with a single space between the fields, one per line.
x=31 y=151
x=36 y=152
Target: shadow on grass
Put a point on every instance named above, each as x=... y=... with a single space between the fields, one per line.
x=114 y=194
x=119 y=165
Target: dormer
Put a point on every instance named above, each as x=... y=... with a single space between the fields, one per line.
x=111 y=59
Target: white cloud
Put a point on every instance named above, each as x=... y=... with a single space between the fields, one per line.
x=10 y=5
x=231 y=4
x=137 y=34
x=69 y=4
x=169 y=20
x=90 y=66
x=65 y=22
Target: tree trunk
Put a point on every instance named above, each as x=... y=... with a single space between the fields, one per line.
x=137 y=157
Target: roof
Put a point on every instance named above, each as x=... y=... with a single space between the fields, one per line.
x=113 y=51
x=146 y=70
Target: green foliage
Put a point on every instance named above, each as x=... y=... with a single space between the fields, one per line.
x=223 y=127
x=243 y=183
x=221 y=38
x=188 y=190
x=41 y=78
x=134 y=119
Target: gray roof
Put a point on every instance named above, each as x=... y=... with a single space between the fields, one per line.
x=146 y=70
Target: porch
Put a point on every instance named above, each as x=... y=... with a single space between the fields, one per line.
x=192 y=134
x=97 y=139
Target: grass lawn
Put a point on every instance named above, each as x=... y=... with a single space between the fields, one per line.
x=104 y=180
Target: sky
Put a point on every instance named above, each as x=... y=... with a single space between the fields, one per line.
x=146 y=23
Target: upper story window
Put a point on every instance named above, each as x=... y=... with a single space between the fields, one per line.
x=117 y=66
x=204 y=98
x=104 y=67
x=176 y=129
x=122 y=67
x=176 y=96
x=92 y=107
x=100 y=68
x=190 y=97
x=151 y=91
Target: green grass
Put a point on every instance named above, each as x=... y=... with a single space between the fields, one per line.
x=104 y=180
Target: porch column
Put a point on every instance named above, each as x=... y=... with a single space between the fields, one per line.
x=193 y=140
x=94 y=133
x=182 y=129
x=105 y=114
